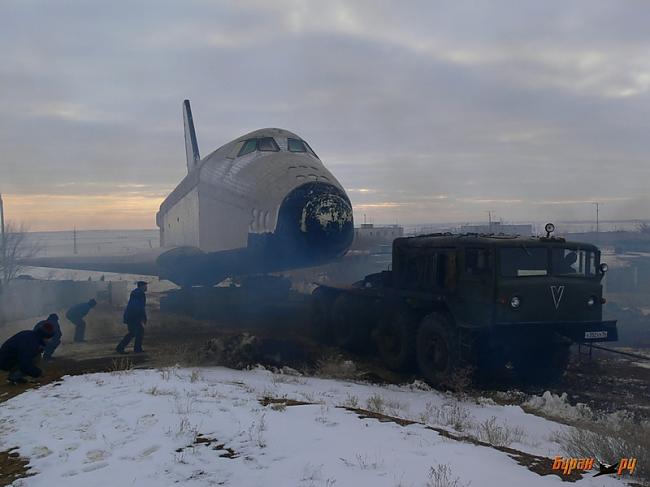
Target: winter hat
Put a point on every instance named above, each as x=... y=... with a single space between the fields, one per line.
x=53 y=318
x=92 y=302
x=46 y=330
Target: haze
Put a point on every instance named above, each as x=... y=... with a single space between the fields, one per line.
x=425 y=111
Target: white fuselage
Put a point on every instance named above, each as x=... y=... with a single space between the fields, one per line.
x=227 y=197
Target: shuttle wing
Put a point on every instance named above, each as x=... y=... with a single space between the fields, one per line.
x=144 y=264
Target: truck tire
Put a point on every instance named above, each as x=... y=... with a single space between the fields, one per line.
x=347 y=324
x=542 y=364
x=436 y=349
x=395 y=338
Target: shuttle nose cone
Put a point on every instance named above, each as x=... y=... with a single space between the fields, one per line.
x=318 y=217
x=325 y=215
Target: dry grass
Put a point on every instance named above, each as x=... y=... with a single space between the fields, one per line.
x=452 y=413
x=365 y=462
x=351 y=401
x=279 y=406
x=609 y=441
x=496 y=434
x=256 y=432
x=461 y=381
x=376 y=404
x=121 y=365
x=336 y=367
x=442 y=476
x=183 y=405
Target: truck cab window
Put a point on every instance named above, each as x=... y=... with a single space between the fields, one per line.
x=574 y=262
x=477 y=261
x=523 y=261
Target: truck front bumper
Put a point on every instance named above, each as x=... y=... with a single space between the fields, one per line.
x=576 y=331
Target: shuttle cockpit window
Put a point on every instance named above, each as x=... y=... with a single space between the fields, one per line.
x=249 y=146
x=267 y=144
x=296 y=145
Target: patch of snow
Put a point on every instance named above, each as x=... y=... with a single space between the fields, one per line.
x=556 y=406
x=207 y=427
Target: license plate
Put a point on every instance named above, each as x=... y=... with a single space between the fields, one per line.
x=595 y=334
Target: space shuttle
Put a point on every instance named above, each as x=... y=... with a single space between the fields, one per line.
x=261 y=203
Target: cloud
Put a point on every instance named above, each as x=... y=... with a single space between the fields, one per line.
x=431 y=111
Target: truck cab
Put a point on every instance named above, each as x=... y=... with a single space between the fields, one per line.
x=501 y=282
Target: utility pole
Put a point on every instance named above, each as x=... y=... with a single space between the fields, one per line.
x=3 y=238
x=597 y=213
x=74 y=238
x=2 y=223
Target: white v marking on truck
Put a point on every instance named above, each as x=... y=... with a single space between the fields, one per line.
x=557 y=292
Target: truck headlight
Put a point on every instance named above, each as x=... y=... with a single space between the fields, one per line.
x=515 y=302
x=591 y=301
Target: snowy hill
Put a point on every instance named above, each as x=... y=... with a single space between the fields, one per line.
x=212 y=426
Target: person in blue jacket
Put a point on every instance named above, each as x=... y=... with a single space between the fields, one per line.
x=76 y=315
x=18 y=355
x=52 y=344
x=135 y=317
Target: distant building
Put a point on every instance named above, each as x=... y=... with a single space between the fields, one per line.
x=498 y=227
x=371 y=237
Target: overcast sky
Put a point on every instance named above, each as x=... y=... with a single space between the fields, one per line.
x=425 y=111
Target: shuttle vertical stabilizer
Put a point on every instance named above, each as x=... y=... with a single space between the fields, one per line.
x=191 y=145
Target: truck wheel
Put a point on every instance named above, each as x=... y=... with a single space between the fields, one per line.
x=347 y=324
x=436 y=350
x=395 y=338
x=542 y=364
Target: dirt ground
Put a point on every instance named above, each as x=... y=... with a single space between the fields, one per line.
x=605 y=381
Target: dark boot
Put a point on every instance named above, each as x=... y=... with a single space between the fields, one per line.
x=16 y=377
x=124 y=342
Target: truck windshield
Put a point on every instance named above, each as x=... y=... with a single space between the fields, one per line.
x=523 y=261
x=574 y=262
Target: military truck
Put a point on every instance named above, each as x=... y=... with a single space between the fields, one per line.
x=473 y=302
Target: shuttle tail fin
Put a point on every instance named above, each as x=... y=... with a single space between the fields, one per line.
x=191 y=145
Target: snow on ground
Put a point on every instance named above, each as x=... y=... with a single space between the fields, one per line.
x=140 y=427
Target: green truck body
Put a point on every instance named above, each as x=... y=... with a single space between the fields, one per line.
x=479 y=301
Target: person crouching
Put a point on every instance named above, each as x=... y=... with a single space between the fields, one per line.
x=55 y=341
x=20 y=353
x=76 y=316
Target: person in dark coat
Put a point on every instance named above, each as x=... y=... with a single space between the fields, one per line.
x=52 y=344
x=135 y=317
x=19 y=353
x=76 y=315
